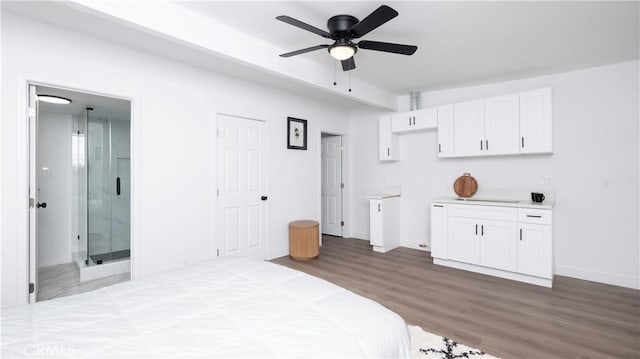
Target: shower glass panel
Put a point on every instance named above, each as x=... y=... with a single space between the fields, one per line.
x=108 y=189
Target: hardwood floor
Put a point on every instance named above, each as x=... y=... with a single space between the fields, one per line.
x=63 y=279
x=574 y=319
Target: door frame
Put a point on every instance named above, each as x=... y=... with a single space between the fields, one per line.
x=215 y=211
x=345 y=180
x=87 y=85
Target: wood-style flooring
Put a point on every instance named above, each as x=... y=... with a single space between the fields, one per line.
x=63 y=279
x=574 y=319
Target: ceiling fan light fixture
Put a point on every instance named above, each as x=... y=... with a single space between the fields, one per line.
x=342 y=51
x=54 y=99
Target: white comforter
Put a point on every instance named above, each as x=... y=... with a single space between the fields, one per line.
x=229 y=307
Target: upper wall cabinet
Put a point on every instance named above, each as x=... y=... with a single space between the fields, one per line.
x=535 y=121
x=501 y=125
x=414 y=120
x=387 y=141
x=469 y=128
x=445 y=131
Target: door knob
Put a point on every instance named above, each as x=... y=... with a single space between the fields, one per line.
x=264 y=198
x=43 y=205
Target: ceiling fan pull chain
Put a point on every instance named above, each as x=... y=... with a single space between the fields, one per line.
x=335 y=64
x=349 y=81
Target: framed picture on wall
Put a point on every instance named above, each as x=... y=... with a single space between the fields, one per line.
x=296 y=133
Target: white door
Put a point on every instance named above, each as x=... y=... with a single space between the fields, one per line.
x=242 y=192
x=402 y=122
x=501 y=126
x=332 y=185
x=376 y=223
x=33 y=193
x=463 y=244
x=469 y=128
x=498 y=245
x=445 y=131
x=534 y=250
x=535 y=121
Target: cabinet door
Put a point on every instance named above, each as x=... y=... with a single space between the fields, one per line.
x=439 y=231
x=535 y=121
x=469 y=128
x=387 y=145
x=425 y=119
x=376 y=223
x=463 y=244
x=501 y=125
x=498 y=245
x=402 y=122
x=445 y=131
x=535 y=250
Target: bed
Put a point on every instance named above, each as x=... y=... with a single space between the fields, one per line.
x=228 y=307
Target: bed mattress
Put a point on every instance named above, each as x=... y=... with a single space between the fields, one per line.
x=230 y=307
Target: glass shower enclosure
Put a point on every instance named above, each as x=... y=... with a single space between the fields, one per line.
x=102 y=171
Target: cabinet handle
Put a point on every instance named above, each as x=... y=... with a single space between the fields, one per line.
x=482 y=230
x=378 y=207
x=486 y=145
x=480 y=145
x=414 y=120
x=409 y=120
x=522 y=141
x=533 y=216
x=520 y=233
x=388 y=152
x=439 y=147
x=476 y=229
x=438 y=205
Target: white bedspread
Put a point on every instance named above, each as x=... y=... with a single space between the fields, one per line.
x=229 y=307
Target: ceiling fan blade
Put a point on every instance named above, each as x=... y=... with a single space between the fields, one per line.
x=387 y=47
x=297 y=23
x=378 y=17
x=302 y=51
x=348 y=64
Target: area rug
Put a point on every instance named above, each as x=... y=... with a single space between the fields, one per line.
x=428 y=345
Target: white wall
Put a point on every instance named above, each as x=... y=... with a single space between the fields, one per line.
x=54 y=221
x=177 y=107
x=595 y=123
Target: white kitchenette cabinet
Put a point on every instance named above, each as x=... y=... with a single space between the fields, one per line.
x=468 y=128
x=387 y=141
x=414 y=120
x=536 y=122
x=511 y=240
x=445 y=131
x=384 y=222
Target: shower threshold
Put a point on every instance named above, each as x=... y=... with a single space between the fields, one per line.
x=111 y=256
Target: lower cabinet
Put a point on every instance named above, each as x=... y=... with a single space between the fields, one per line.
x=384 y=223
x=513 y=243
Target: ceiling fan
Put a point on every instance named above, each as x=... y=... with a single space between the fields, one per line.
x=343 y=29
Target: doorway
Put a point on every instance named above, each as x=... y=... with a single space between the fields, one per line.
x=79 y=190
x=332 y=184
x=242 y=164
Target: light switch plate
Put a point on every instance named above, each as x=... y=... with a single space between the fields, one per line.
x=45 y=171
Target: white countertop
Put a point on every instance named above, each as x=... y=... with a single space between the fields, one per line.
x=383 y=196
x=547 y=204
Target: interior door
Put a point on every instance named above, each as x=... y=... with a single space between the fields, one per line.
x=242 y=195
x=33 y=193
x=332 y=185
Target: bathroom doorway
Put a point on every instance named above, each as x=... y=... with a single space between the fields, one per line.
x=80 y=220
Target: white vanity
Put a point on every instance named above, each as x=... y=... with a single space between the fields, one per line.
x=510 y=239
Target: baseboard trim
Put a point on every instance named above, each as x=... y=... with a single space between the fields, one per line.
x=495 y=272
x=360 y=235
x=596 y=276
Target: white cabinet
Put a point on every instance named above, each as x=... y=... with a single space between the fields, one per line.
x=486 y=127
x=501 y=125
x=535 y=122
x=387 y=141
x=438 y=230
x=535 y=246
x=414 y=120
x=469 y=128
x=503 y=241
x=384 y=222
x=445 y=131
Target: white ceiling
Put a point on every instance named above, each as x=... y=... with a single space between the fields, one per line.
x=103 y=107
x=459 y=43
